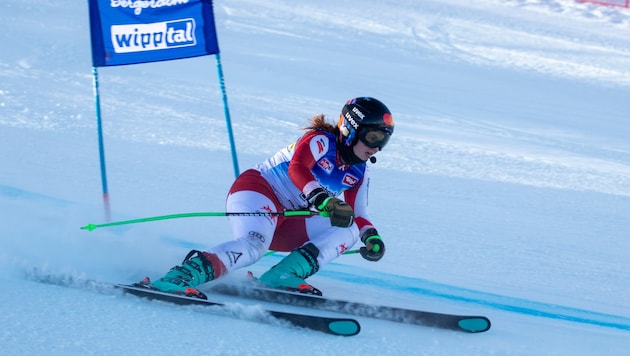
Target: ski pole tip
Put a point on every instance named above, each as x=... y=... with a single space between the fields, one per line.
x=88 y=227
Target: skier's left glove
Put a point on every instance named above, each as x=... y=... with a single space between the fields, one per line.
x=374 y=248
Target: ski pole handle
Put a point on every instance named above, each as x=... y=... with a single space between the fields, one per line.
x=290 y=213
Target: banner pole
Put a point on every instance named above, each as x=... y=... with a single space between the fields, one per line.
x=226 y=112
x=101 y=146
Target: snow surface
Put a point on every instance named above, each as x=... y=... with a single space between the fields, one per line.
x=504 y=192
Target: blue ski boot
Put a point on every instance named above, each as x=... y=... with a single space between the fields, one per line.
x=194 y=271
x=289 y=274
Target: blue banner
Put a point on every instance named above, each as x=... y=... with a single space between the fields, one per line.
x=139 y=31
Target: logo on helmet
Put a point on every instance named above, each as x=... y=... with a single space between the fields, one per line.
x=351 y=120
x=358 y=112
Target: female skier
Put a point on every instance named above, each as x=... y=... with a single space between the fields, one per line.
x=327 y=161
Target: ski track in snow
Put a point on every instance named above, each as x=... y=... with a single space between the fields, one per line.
x=386 y=282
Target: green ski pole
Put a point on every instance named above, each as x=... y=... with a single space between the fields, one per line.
x=290 y=213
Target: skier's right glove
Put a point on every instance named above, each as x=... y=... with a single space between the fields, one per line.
x=374 y=248
x=339 y=212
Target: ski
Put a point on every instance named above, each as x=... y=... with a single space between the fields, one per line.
x=329 y=325
x=466 y=323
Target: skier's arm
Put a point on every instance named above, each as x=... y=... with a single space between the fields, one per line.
x=308 y=150
x=357 y=197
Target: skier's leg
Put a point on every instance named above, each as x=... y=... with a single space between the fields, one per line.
x=326 y=244
x=253 y=234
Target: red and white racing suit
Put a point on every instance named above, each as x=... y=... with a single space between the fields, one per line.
x=282 y=182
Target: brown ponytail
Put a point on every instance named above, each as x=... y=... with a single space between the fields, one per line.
x=318 y=122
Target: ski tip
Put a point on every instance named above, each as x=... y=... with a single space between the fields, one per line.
x=345 y=327
x=474 y=324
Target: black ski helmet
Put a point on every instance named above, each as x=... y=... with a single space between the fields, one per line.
x=361 y=114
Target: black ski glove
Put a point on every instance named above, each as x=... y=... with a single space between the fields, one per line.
x=374 y=247
x=339 y=212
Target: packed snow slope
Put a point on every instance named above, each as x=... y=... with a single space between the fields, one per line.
x=505 y=190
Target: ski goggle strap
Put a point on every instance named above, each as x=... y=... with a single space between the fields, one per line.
x=374 y=138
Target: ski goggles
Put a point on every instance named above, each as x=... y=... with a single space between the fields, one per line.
x=374 y=138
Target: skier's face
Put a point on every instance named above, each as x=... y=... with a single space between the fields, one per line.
x=364 y=152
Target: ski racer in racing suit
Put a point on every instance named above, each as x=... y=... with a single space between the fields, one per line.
x=327 y=162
